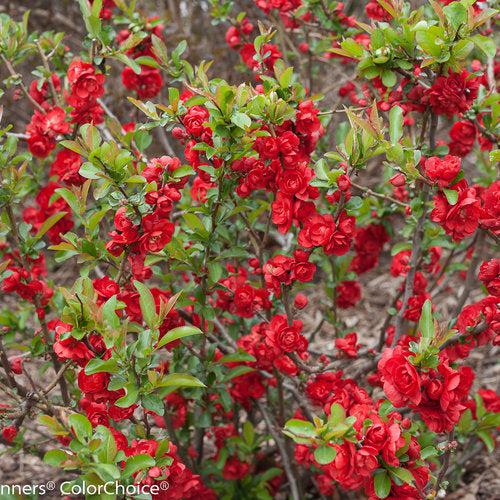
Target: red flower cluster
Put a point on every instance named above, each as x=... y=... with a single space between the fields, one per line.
x=376 y=12
x=489 y=274
x=270 y=342
x=368 y=243
x=148 y=82
x=43 y=130
x=282 y=270
x=439 y=396
x=442 y=171
x=46 y=208
x=381 y=438
x=347 y=294
x=66 y=166
x=323 y=231
x=182 y=483
x=86 y=86
x=154 y=230
x=240 y=298
x=453 y=94
x=461 y=219
x=348 y=345
x=463 y=135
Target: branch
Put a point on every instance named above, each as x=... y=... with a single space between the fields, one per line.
x=13 y=73
x=284 y=455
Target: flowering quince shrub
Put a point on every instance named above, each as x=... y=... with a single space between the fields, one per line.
x=177 y=353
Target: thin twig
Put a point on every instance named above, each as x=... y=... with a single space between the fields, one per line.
x=284 y=455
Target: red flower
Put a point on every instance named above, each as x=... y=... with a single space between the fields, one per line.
x=491 y=400
x=147 y=83
x=40 y=95
x=43 y=129
x=489 y=274
x=269 y=50
x=157 y=233
x=463 y=134
x=348 y=344
x=461 y=219
x=453 y=94
x=66 y=166
x=69 y=347
x=348 y=294
x=399 y=377
x=9 y=433
x=16 y=365
x=235 y=469
x=285 y=337
x=377 y=12
x=86 y=85
x=300 y=301
x=444 y=393
x=490 y=211
x=442 y=170
x=400 y=264
x=304 y=271
x=194 y=119
x=98 y=382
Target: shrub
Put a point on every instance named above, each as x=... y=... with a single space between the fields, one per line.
x=155 y=304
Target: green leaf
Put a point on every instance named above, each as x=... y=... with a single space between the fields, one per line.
x=80 y=425
x=70 y=198
x=96 y=365
x=456 y=14
x=426 y=323
x=107 y=450
x=487 y=439
x=238 y=371
x=109 y=313
x=466 y=422
x=285 y=79
x=325 y=454
x=300 y=428
x=236 y=357
x=178 y=333
x=241 y=120
x=389 y=78
x=248 y=432
x=353 y=48
x=403 y=474
x=48 y=223
x=90 y=171
x=487 y=45
x=153 y=402
x=160 y=49
x=382 y=484
x=399 y=247
x=194 y=223
x=136 y=463
x=143 y=139
x=180 y=380
x=55 y=457
x=132 y=393
x=395 y=124
x=451 y=196
x=129 y=62
x=147 y=303
x=337 y=414
x=428 y=452
x=429 y=38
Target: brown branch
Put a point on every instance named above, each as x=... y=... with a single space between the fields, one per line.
x=471 y=274
x=287 y=465
x=410 y=277
x=13 y=73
